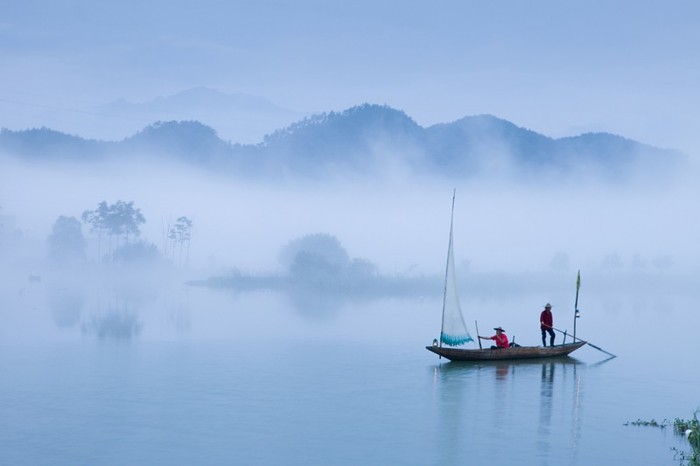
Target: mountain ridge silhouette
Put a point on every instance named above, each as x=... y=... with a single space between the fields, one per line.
x=358 y=139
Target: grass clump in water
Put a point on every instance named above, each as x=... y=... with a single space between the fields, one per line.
x=653 y=423
x=691 y=430
x=687 y=428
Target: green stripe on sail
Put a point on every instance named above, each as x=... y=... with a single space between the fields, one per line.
x=455 y=340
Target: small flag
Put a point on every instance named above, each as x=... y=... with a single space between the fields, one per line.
x=578 y=280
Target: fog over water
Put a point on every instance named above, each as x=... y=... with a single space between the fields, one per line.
x=511 y=239
x=203 y=356
x=395 y=223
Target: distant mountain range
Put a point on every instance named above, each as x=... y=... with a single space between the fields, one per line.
x=236 y=117
x=197 y=100
x=363 y=139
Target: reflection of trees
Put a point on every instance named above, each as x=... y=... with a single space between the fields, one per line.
x=66 y=305
x=118 y=317
x=114 y=324
x=178 y=309
x=118 y=293
x=316 y=285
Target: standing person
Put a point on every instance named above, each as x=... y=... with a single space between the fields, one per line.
x=547 y=325
x=500 y=338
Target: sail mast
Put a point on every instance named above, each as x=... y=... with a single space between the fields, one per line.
x=576 y=313
x=447 y=267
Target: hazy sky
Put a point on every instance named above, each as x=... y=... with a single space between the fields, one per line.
x=559 y=68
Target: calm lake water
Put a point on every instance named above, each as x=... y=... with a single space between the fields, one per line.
x=213 y=378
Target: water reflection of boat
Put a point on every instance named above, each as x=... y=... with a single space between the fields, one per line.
x=454 y=331
x=541 y=397
x=504 y=368
x=525 y=364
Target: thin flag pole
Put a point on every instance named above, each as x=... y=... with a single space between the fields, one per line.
x=576 y=313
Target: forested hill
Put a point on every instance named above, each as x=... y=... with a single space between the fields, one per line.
x=362 y=139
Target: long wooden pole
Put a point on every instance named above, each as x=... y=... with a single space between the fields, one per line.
x=477 y=334
x=588 y=343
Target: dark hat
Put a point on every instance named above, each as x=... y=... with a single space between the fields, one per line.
x=547 y=305
x=499 y=328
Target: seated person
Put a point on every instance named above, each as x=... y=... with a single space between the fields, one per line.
x=500 y=338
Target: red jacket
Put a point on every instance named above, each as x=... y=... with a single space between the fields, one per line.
x=546 y=320
x=502 y=341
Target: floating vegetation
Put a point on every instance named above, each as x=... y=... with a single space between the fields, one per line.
x=689 y=429
x=653 y=423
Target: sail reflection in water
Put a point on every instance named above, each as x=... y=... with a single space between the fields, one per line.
x=529 y=410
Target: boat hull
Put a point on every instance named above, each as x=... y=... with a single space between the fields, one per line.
x=504 y=354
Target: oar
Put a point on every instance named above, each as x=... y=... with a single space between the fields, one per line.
x=477 y=334
x=588 y=343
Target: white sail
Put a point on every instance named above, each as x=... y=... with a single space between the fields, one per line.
x=454 y=331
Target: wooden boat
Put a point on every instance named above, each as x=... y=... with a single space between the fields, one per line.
x=453 y=331
x=505 y=354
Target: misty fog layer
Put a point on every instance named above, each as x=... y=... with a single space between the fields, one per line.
x=398 y=224
x=511 y=240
